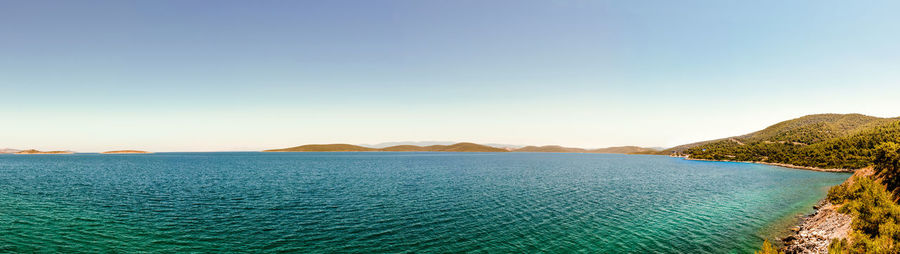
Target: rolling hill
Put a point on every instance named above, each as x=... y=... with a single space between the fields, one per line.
x=9 y=150
x=325 y=148
x=462 y=147
x=458 y=147
x=550 y=149
x=404 y=148
x=32 y=151
x=561 y=149
x=828 y=141
x=625 y=150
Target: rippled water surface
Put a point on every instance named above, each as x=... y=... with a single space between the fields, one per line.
x=394 y=202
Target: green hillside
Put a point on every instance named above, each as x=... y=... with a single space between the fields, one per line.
x=870 y=198
x=815 y=128
x=824 y=141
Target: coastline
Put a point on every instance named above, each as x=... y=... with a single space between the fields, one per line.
x=839 y=170
x=813 y=232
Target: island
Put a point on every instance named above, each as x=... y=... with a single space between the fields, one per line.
x=561 y=149
x=462 y=147
x=125 y=152
x=33 y=151
x=9 y=150
x=458 y=147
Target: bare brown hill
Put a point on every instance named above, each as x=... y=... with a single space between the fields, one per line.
x=463 y=147
x=550 y=149
x=32 y=151
x=458 y=147
x=325 y=148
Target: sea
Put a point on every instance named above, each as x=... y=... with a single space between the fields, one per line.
x=396 y=202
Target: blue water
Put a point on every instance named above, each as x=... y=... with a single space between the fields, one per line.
x=396 y=202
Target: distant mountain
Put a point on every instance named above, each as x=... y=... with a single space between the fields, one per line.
x=404 y=148
x=550 y=149
x=325 y=148
x=412 y=143
x=458 y=147
x=9 y=150
x=504 y=146
x=830 y=141
x=625 y=150
x=432 y=143
x=464 y=147
x=561 y=149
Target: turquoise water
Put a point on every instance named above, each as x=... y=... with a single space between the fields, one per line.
x=395 y=202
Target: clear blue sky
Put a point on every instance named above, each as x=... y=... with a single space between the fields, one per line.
x=244 y=75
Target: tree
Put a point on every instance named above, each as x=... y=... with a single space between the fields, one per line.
x=887 y=164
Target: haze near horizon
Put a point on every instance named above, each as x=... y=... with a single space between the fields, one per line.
x=94 y=76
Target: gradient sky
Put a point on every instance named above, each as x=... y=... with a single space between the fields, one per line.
x=245 y=75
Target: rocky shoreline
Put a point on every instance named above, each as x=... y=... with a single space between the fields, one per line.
x=816 y=230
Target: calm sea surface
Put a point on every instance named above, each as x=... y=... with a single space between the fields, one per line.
x=395 y=202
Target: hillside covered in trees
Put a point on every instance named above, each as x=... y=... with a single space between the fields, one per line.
x=831 y=141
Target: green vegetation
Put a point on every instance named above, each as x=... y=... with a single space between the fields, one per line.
x=767 y=248
x=831 y=141
x=839 y=246
x=887 y=165
x=869 y=197
x=876 y=215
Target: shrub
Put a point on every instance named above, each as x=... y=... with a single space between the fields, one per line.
x=875 y=217
x=767 y=248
